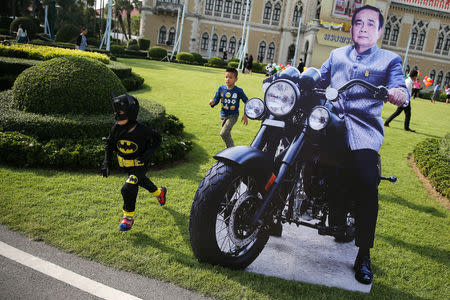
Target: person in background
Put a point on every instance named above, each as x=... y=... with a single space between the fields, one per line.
x=250 y=64
x=416 y=88
x=447 y=91
x=407 y=106
x=301 y=65
x=82 y=40
x=436 y=92
x=22 y=35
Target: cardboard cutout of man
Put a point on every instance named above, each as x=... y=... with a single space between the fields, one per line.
x=365 y=131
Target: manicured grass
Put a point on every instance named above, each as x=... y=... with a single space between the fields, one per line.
x=80 y=212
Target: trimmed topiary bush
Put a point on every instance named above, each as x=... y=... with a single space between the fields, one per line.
x=134 y=47
x=117 y=50
x=234 y=59
x=67 y=32
x=133 y=82
x=67 y=85
x=144 y=44
x=216 y=62
x=185 y=57
x=198 y=58
x=131 y=42
x=432 y=157
x=157 y=53
x=27 y=23
x=233 y=64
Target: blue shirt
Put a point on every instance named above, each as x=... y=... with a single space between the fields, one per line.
x=361 y=111
x=229 y=99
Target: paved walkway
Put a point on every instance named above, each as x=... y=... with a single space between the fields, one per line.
x=301 y=254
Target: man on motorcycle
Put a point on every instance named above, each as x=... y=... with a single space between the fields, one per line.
x=365 y=133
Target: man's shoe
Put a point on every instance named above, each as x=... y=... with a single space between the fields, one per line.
x=386 y=124
x=409 y=129
x=363 y=270
x=162 y=197
x=126 y=223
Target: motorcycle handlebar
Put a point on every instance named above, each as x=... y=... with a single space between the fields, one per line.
x=380 y=92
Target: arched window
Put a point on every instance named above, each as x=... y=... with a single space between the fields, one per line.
x=395 y=33
x=209 y=4
x=223 y=43
x=232 y=45
x=244 y=7
x=447 y=79
x=440 y=41
x=162 y=35
x=205 y=41
x=267 y=11
x=421 y=39
x=439 y=77
x=298 y=11
x=237 y=7
x=228 y=6
x=214 y=42
x=433 y=75
x=271 y=51
x=413 y=36
x=262 y=50
x=219 y=5
x=387 y=31
x=171 y=39
x=276 y=12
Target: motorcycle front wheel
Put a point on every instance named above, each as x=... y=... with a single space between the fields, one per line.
x=220 y=221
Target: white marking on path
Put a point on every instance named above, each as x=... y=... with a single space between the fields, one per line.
x=83 y=283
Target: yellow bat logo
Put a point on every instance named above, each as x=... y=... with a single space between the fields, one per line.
x=127 y=147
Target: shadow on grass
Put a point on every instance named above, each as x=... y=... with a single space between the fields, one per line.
x=418 y=132
x=438 y=255
x=392 y=198
x=182 y=222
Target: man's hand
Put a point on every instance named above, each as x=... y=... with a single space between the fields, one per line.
x=245 y=120
x=105 y=170
x=211 y=102
x=397 y=96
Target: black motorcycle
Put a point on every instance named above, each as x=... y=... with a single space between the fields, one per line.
x=283 y=176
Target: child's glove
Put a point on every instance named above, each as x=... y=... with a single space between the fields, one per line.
x=105 y=170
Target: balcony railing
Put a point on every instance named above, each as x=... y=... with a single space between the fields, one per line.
x=162 y=6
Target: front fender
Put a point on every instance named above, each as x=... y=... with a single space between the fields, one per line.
x=250 y=158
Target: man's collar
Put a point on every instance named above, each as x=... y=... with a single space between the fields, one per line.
x=367 y=52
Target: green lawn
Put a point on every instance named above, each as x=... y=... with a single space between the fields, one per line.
x=80 y=212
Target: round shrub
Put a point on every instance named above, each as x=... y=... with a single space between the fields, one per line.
x=133 y=82
x=133 y=47
x=216 y=62
x=233 y=64
x=117 y=50
x=157 y=53
x=67 y=33
x=67 y=85
x=27 y=23
x=185 y=57
x=144 y=44
x=131 y=42
x=234 y=59
x=197 y=57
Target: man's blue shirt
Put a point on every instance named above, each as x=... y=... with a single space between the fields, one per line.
x=229 y=99
x=361 y=111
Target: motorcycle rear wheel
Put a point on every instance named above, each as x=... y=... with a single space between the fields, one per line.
x=219 y=223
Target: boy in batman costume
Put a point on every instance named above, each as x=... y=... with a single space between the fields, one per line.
x=134 y=144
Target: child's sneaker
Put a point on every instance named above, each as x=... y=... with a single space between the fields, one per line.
x=126 y=223
x=162 y=197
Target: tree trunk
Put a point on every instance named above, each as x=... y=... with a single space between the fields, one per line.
x=129 y=23
x=122 y=25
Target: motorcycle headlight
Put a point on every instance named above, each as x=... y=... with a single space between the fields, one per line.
x=254 y=108
x=319 y=118
x=281 y=97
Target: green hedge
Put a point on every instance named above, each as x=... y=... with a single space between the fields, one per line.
x=46 y=127
x=15 y=66
x=133 y=82
x=117 y=50
x=144 y=44
x=198 y=58
x=133 y=47
x=120 y=69
x=29 y=51
x=132 y=42
x=429 y=94
x=233 y=64
x=157 y=53
x=432 y=157
x=22 y=150
x=67 y=85
x=184 y=57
